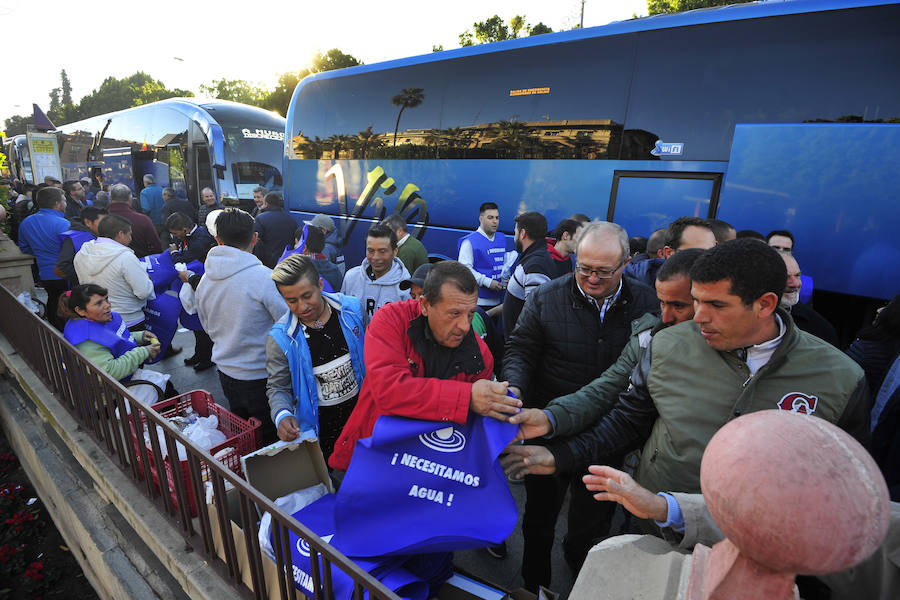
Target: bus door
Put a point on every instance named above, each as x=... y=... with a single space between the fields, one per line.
x=644 y=201
x=201 y=173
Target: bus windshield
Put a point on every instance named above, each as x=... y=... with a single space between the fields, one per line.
x=253 y=149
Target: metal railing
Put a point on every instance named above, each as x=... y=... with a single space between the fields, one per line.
x=96 y=400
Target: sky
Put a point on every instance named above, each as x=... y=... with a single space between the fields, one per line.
x=188 y=42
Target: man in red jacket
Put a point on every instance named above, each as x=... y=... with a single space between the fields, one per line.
x=423 y=361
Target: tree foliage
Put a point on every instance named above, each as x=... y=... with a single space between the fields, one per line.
x=138 y=89
x=658 y=7
x=18 y=124
x=236 y=90
x=62 y=110
x=279 y=98
x=117 y=94
x=495 y=29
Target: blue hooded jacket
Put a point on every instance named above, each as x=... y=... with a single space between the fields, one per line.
x=288 y=335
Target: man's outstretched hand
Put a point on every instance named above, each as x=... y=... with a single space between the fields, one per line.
x=618 y=486
x=489 y=399
x=519 y=461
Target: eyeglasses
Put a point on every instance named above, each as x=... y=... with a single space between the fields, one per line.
x=600 y=273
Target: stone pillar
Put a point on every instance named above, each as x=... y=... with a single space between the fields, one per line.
x=15 y=268
x=792 y=494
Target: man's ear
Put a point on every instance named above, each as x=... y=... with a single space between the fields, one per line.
x=219 y=241
x=667 y=251
x=424 y=306
x=767 y=303
x=255 y=238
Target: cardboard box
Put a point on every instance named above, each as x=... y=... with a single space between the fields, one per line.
x=275 y=471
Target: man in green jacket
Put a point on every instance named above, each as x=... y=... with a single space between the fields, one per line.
x=573 y=413
x=741 y=353
x=410 y=250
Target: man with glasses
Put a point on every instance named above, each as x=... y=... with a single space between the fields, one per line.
x=569 y=332
x=741 y=353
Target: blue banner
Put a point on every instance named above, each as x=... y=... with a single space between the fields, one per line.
x=319 y=516
x=422 y=486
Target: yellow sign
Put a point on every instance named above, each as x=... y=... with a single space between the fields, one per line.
x=529 y=91
x=45 y=146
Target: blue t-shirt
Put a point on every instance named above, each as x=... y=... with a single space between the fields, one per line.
x=39 y=234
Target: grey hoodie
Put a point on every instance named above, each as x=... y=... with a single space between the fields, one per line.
x=375 y=293
x=238 y=303
x=109 y=264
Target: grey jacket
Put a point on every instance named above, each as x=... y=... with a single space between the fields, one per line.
x=238 y=303
x=375 y=293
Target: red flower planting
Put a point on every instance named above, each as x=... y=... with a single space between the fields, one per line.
x=7 y=551
x=34 y=570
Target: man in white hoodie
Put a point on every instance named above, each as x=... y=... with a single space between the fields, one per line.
x=377 y=280
x=238 y=303
x=110 y=263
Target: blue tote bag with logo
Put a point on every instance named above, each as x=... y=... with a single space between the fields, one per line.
x=416 y=487
x=162 y=320
x=161 y=270
x=319 y=516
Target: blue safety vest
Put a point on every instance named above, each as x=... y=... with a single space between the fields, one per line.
x=113 y=335
x=488 y=258
x=78 y=237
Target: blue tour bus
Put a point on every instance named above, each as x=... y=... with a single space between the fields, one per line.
x=782 y=115
x=186 y=143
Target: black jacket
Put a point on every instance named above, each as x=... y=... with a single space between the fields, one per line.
x=534 y=267
x=174 y=205
x=329 y=272
x=559 y=343
x=276 y=228
x=196 y=246
x=808 y=320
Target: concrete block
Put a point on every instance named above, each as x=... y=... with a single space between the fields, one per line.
x=632 y=567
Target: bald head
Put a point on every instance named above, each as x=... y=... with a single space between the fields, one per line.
x=604 y=233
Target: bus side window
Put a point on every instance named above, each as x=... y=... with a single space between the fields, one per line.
x=176 y=170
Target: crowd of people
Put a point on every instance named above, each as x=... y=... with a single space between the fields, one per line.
x=605 y=349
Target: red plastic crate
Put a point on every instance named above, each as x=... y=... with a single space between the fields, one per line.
x=240 y=434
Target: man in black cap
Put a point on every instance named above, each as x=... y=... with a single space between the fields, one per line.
x=333 y=250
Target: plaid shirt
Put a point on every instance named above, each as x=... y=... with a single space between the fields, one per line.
x=607 y=302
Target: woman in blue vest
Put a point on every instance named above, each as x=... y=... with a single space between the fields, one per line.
x=101 y=334
x=314 y=356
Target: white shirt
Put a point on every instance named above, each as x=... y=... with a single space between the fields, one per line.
x=403 y=239
x=759 y=355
